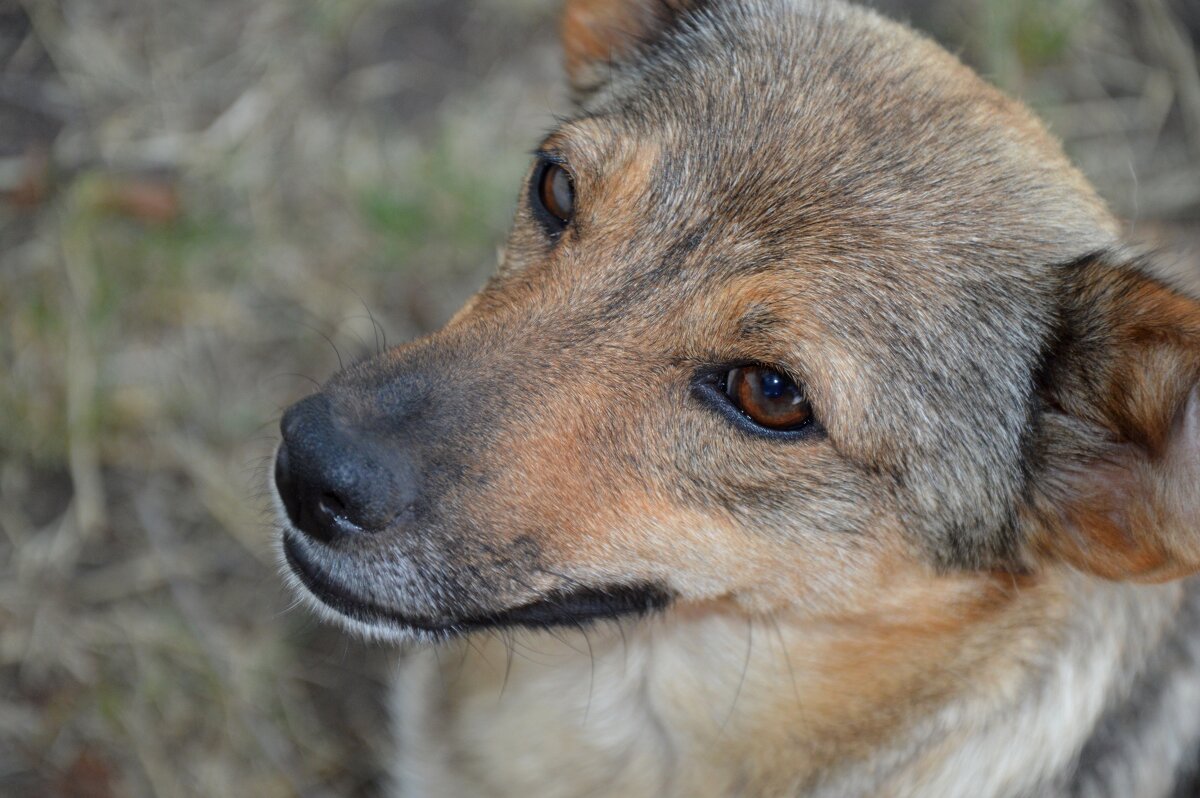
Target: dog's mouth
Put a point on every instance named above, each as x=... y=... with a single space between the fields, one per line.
x=572 y=607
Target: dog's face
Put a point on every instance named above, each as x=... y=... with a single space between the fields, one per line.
x=797 y=313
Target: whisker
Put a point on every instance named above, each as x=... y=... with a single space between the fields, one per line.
x=742 y=679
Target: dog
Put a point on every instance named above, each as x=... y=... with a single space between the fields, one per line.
x=817 y=436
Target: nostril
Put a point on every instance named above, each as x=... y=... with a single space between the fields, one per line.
x=333 y=514
x=335 y=482
x=332 y=504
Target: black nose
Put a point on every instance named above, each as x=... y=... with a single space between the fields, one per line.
x=336 y=481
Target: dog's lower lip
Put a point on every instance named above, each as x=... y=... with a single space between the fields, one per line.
x=559 y=608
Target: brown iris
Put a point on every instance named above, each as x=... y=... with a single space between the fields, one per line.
x=556 y=193
x=769 y=398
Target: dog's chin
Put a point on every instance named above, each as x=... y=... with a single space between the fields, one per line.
x=570 y=608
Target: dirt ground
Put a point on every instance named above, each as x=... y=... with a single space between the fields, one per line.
x=205 y=207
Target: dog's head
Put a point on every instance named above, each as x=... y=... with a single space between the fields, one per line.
x=794 y=305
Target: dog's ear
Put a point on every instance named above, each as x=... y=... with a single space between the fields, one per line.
x=1117 y=488
x=595 y=33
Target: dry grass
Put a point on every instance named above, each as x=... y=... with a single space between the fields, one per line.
x=230 y=180
x=202 y=199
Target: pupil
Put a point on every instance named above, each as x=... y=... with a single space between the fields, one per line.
x=773 y=385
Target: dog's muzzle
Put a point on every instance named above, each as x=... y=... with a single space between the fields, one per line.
x=356 y=541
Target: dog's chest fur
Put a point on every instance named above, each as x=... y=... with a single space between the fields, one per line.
x=1104 y=702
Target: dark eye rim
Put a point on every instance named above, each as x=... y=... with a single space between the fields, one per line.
x=551 y=224
x=708 y=387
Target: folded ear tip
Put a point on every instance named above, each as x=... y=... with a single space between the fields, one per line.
x=595 y=33
x=1122 y=496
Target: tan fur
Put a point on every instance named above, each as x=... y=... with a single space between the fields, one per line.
x=924 y=593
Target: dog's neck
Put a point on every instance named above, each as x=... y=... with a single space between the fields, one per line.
x=1101 y=691
x=713 y=703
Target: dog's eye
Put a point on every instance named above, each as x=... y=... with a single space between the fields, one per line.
x=768 y=398
x=554 y=195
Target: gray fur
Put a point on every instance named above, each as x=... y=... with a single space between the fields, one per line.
x=806 y=185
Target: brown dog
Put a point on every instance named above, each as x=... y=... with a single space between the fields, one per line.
x=812 y=349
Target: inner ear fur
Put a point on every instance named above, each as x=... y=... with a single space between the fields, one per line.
x=1116 y=488
x=596 y=33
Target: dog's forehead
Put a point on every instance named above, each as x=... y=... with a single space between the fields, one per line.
x=802 y=124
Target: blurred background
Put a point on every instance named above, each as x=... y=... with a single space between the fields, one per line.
x=205 y=206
